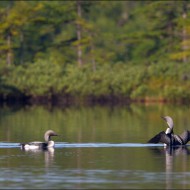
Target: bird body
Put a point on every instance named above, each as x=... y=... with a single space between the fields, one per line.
x=168 y=137
x=40 y=145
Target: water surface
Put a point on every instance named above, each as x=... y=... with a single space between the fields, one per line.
x=98 y=147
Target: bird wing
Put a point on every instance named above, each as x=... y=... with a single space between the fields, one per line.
x=35 y=143
x=185 y=136
x=41 y=145
x=160 y=137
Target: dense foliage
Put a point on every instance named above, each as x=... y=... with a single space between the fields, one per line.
x=137 y=50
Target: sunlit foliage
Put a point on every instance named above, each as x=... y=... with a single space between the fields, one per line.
x=128 y=49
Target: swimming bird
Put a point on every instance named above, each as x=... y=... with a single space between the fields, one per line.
x=168 y=137
x=41 y=145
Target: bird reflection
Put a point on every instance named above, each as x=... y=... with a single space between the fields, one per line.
x=172 y=151
x=170 y=154
x=48 y=154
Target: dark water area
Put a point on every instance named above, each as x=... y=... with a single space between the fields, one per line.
x=98 y=147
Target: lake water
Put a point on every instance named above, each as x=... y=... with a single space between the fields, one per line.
x=98 y=147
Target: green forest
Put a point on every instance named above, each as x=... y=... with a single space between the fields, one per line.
x=95 y=50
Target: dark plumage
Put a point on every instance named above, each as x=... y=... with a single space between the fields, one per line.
x=41 y=145
x=168 y=137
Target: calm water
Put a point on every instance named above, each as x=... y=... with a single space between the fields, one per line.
x=97 y=148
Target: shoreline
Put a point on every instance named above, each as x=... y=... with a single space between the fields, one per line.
x=67 y=100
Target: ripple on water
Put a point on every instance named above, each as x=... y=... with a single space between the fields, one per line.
x=96 y=178
x=83 y=145
x=9 y=145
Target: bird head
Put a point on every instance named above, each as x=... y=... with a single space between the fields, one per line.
x=170 y=124
x=48 y=134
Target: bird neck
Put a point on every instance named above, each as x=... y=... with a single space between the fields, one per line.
x=47 y=138
x=169 y=130
x=51 y=143
x=170 y=124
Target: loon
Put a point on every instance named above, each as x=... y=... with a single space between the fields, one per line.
x=40 y=145
x=168 y=137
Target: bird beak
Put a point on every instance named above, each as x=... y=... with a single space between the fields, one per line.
x=163 y=118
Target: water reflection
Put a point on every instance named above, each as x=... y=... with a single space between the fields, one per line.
x=99 y=147
x=172 y=151
x=170 y=154
x=48 y=154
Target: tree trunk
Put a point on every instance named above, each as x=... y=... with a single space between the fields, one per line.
x=92 y=53
x=79 y=48
x=184 y=34
x=22 y=48
x=9 y=51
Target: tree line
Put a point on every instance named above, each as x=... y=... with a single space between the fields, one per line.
x=134 y=50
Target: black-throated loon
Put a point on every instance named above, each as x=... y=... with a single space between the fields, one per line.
x=41 y=145
x=168 y=137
